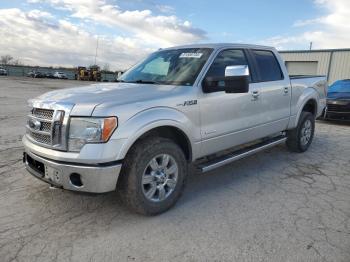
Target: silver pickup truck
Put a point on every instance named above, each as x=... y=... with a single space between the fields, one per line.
x=205 y=104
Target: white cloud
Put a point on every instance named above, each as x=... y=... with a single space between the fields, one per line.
x=160 y=30
x=38 y=14
x=300 y=23
x=333 y=29
x=30 y=37
x=38 y=37
x=165 y=8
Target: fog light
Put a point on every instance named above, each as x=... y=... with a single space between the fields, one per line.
x=75 y=180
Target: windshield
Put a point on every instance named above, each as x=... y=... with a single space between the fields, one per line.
x=342 y=86
x=169 y=67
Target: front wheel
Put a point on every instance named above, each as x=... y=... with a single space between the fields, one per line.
x=153 y=176
x=300 y=138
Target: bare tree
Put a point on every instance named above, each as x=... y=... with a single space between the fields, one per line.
x=16 y=62
x=6 y=59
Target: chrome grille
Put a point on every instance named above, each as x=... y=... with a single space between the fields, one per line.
x=43 y=113
x=41 y=138
x=45 y=126
x=338 y=108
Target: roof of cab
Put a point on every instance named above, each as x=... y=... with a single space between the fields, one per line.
x=221 y=45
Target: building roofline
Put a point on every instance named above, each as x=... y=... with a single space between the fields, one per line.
x=315 y=50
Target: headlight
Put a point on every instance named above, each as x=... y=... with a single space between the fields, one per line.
x=84 y=130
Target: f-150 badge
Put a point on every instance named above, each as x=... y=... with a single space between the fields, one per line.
x=188 y=103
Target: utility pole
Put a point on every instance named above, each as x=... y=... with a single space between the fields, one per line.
x=310 y=46
x=96 y=50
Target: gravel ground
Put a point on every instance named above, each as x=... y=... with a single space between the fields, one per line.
x=274 y=206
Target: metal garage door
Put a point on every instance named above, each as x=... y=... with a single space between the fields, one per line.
x=302 y=68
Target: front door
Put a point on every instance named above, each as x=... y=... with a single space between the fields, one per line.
x=227 y=120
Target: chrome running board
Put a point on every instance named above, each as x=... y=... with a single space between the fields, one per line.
x=241 y=153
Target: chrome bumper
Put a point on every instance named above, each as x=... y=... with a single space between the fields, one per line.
x=78 y=177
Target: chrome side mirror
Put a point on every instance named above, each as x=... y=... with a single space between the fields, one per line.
x=237 y=70
x=237 y=79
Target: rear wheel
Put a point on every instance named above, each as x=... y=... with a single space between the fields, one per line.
x=153 y=176
x=300 y=138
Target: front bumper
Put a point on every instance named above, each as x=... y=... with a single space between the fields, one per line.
x=337 y=115
x=337 y=109
x=98 y=178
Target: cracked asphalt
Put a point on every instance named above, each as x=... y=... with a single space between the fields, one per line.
x=274 y=206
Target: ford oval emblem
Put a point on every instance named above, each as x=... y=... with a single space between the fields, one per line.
x=34 y=124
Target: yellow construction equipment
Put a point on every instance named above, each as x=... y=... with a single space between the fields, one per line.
x=93 y=73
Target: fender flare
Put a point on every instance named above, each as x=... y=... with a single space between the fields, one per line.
x=152 y=118
x=308 y=95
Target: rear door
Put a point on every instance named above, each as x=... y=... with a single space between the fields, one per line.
x=272 y=92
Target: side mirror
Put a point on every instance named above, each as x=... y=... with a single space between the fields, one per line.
x=236 y=80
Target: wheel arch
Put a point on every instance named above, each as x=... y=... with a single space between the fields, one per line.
x=306 y=102
x=173 y=133
x=166 y=123
x=310 y=106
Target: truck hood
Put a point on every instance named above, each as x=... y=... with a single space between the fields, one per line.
x=84 y=99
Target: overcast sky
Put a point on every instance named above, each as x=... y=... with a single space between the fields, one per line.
x=65 y=32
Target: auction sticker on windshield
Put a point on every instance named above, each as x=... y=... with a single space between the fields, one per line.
x=191 y=55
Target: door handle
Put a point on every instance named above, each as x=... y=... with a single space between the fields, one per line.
x=286 y=89
x=255 y=94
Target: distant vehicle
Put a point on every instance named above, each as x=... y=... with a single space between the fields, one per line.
x=39 y=75
x=3 y=71
x=49 y=75
x=30 y=74
x=60 y=75
x=338 y=101
x=117 y=75
x=35 y=74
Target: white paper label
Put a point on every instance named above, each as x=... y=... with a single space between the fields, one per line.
x=191 y=55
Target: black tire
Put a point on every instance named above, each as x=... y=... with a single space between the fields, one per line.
x=295 y=136
x=130 y=187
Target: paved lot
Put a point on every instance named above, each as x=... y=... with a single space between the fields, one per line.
x=274 y=206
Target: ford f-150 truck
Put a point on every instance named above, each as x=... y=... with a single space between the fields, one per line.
x=205 y=105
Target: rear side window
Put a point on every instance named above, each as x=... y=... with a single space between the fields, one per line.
x=226 y=58
x=267 y=66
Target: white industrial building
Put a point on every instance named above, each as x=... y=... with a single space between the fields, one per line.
x=333 y=63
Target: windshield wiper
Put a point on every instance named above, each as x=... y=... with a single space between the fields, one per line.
x=140 y=81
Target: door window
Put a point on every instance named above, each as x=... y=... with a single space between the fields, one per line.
x=226 y=58
x=267 y=66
